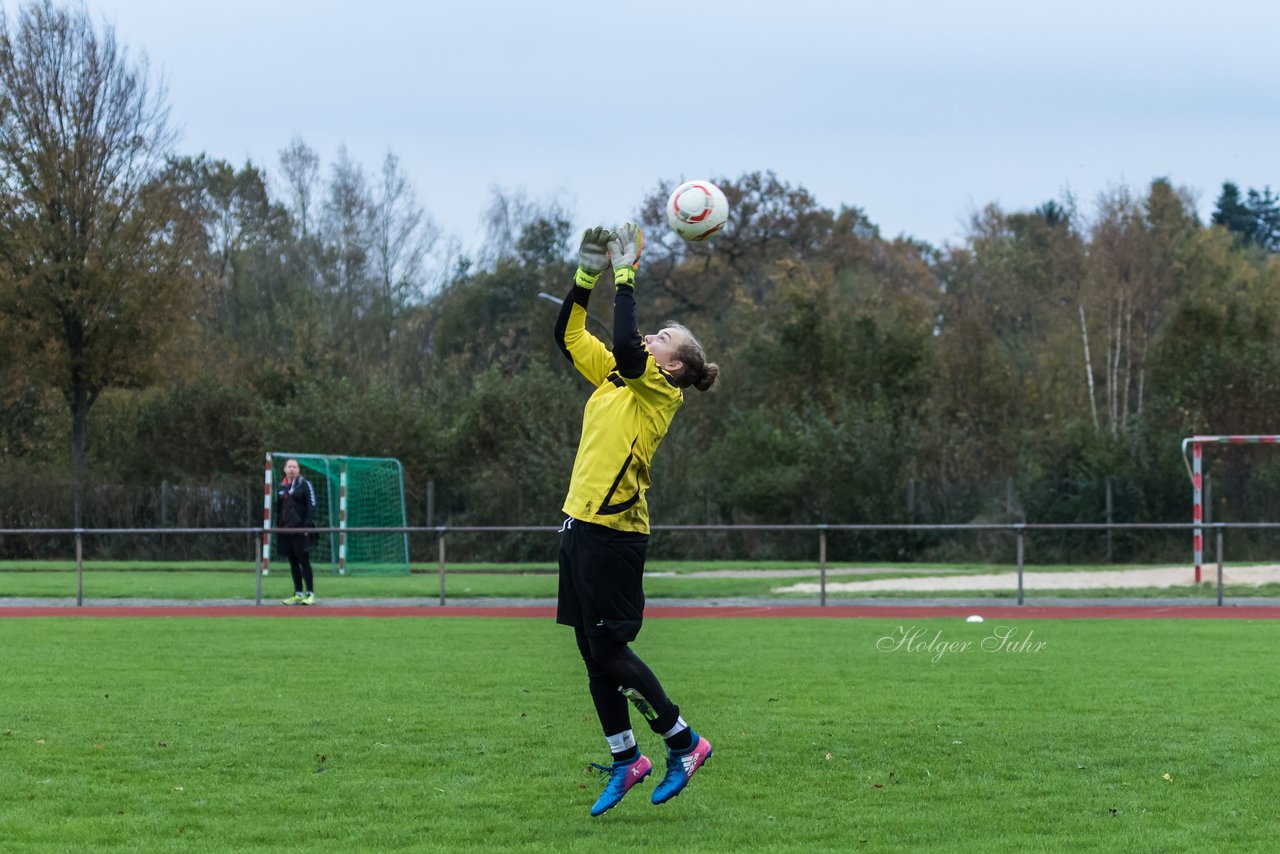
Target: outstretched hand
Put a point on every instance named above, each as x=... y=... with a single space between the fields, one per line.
x=593 y=256
x=624 y=251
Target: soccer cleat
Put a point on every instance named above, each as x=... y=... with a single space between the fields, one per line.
x=308 y=598
x=295 y=599
x=680 y=767
x=622 y=776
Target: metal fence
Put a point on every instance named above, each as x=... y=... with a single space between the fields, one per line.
x=1017 y=530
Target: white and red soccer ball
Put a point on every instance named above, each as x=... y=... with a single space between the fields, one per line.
x=697 y=210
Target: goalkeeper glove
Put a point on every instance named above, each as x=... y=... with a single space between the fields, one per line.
x=624 y=252
x=593 y=256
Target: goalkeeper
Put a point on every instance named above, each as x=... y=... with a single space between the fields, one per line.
x=296 y=509
x=638 y=388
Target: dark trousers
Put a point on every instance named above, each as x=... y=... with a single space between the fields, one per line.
x=297 y=548
x=602 y=597
x=615 y=674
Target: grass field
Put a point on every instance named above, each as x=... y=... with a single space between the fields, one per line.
x=666 y=580
x=471 y=733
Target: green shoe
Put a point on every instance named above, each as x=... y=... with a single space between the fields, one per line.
x=295 y=599
x=308 y=598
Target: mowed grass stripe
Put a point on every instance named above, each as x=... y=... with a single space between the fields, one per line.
x=475 y=733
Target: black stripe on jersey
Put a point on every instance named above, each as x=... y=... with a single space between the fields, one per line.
x=607 y=509
x=616 y=380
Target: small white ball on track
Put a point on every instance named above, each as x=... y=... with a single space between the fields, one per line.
x=697 y=210
x=973 y=618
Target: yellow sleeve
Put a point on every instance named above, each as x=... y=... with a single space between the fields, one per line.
x=587 y=352
x=655 y=388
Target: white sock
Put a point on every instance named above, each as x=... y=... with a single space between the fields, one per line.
x=621 y=742
x=680 y=727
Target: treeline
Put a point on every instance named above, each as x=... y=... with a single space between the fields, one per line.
x=1045 y=368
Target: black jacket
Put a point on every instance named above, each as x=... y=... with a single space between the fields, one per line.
x=295 y=504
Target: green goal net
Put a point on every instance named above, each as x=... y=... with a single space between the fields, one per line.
x=353 y=492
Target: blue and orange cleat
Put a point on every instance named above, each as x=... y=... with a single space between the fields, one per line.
x=680 y=768
x=622 y=776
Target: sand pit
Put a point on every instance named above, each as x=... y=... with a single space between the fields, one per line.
x=1173 y=576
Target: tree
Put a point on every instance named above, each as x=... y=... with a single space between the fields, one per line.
x=511 y=220
x=301 y=167
x=1135 y=273
x=1215 y=363
x=403 y=237
x=1255 y=219
x=240 y=225
x=770 y=222
x=1233 y=214
x=345 y=230
x=92 y=280
x=1265 y=209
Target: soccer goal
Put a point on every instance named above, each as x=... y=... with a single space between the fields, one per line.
x=1195 y=468
x=351 y=492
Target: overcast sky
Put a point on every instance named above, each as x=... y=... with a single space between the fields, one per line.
x=917 y=111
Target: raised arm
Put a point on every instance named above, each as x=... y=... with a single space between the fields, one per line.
x=628 y=348
x=653 y=387
x=587 y=353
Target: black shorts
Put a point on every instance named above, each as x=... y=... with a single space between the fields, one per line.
x=601 y=580
x=293 y=545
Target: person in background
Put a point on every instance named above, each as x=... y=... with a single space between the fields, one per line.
x=295 y=508
x=638 y=388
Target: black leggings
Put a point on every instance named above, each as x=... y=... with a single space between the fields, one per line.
x=298 y=550
x=612 y=668
x=300 y=569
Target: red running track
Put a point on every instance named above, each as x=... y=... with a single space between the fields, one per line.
x=999 y=612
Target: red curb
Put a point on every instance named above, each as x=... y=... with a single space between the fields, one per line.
x=1002 y=612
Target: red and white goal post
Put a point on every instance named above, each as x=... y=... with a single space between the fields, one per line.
x=1195 y=468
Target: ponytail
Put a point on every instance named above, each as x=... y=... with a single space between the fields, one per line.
x=697 y=371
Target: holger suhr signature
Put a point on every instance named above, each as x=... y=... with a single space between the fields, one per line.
x=1002 y=639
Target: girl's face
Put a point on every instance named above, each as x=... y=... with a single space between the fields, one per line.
x=662 y=345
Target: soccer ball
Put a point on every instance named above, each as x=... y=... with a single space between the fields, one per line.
x=697 y=210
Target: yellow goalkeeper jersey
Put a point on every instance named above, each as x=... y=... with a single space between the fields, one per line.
x=623 y=423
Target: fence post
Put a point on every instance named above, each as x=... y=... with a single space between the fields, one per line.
x=1110 y=520
x=257 y=598
x=1219 y=536
x=79 y=567
x=912 y=536
x=1020 y=547
x=254 y=551
x=822 y=565
x=440 y=540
